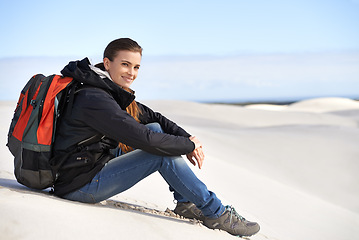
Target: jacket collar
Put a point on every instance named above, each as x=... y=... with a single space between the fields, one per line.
x=101 y=73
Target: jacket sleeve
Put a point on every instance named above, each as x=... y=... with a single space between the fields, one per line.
x=98 y=110
x=149 y=116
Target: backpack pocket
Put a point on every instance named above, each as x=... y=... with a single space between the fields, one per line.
x=36 y=171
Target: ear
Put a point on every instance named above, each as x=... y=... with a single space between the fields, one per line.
x=106 y=63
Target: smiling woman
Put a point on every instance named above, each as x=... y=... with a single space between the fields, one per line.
x=124 y=68
x=122 y=60
x=129 y=141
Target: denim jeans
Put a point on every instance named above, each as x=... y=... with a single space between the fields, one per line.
x=124 y=171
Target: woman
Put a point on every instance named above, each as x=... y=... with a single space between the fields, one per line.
x=120 y=141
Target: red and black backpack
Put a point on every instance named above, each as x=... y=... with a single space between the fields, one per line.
x=33 y=128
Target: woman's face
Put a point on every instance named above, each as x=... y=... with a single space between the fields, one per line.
x=124 y=67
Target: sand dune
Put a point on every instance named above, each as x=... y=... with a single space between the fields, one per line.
x=326 y=105
x=291 y=168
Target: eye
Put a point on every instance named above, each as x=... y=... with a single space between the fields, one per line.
x=125 y=64
x=137 y=67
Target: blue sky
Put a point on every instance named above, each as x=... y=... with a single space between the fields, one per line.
x=197 y=31
x=53 y=28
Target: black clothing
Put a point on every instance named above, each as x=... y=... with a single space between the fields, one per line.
x=98 y=110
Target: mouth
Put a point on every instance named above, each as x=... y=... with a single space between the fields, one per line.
x=127 y=79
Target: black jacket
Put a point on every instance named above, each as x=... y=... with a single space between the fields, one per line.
x=98 y=109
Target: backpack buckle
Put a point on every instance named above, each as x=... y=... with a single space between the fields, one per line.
x=33 y=103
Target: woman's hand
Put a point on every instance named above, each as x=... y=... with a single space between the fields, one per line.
x=197 y=154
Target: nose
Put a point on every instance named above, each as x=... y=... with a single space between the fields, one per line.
x=130 y=71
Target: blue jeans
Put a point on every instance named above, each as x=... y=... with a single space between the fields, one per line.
x=124 y=171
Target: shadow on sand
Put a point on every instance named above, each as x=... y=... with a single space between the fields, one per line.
x=13 y=185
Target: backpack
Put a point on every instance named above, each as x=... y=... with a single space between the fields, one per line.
x=33 y=128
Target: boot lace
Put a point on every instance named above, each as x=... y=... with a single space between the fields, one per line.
x=232 y=212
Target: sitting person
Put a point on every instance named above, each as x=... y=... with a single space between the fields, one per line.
x=128 y=142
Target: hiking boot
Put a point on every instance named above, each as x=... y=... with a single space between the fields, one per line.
x=188 y=210
x=233 y=223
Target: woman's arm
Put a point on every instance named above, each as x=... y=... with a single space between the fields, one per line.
x=100 y=111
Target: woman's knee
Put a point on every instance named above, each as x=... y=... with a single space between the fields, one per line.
x=155 y=127
x=174 y=161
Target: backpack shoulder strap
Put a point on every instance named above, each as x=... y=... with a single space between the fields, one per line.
x=31 y=87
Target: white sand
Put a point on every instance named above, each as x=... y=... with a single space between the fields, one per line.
x=291 y=168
